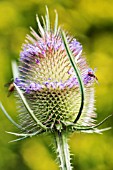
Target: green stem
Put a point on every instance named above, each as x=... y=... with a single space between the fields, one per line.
x=63 y=150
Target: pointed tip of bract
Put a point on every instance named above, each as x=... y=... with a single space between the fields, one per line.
x=56 y=22
x=15 y=69
x=41 y=30
x=46 y=23
x=47 y=20
x=47 y=11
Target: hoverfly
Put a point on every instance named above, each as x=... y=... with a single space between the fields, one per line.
x=91 y=74
x=11 y=88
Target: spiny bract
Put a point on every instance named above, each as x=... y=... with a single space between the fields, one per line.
x=49 y=83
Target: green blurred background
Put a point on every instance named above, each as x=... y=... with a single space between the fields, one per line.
x=91 y=22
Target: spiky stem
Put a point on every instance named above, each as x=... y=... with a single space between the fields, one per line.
x=62 y=150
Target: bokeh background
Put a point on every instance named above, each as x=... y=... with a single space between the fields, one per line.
x=91 y=22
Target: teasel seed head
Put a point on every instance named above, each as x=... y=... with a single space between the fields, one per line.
x=49 y=83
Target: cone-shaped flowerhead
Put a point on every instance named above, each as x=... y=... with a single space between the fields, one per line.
x=49 y=83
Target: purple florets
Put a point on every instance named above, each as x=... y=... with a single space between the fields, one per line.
x=29 y=50
x=71 y=82
x=33 y=54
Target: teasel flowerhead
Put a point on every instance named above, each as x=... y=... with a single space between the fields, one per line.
x=55 y=85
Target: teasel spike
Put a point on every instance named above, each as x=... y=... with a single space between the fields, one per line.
x=28 y=108
x=41 y=30
x=47 y=20
x=56 y=23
